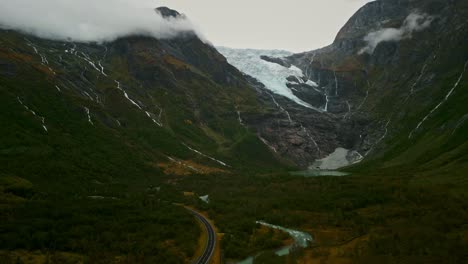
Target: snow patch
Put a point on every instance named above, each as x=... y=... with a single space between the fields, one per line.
x=341 y=157
x=205 y=198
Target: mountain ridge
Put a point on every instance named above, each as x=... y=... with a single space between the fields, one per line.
x=344 y=76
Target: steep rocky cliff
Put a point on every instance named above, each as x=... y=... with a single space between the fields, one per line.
x=385 y=86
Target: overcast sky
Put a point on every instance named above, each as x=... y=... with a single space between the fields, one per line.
x=294 y=25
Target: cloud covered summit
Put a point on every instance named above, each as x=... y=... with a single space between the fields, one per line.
x=89 y=20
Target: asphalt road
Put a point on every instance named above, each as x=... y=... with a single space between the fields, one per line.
x=211 y=239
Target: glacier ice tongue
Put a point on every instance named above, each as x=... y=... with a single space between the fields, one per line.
x=272 y=75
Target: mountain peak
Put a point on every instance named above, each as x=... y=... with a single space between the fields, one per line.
x=166 y=12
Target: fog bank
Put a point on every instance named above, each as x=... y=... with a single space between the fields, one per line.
x=89 y=20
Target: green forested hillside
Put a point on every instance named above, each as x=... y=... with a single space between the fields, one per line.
x=88 y=133
x=101 y=144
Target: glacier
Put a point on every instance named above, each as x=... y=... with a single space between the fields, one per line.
x=272 y=75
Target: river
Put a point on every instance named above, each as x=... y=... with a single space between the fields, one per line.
x=301 y=239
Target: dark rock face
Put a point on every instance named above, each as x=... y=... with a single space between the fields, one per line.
x=188 y=50
x=369 y=95
x=167 y=12
x=308 y=93
x=276 y=60
x=290 y=130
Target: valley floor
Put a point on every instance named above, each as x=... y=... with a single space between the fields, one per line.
x=389 y=216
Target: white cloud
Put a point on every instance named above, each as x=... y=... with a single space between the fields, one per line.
x=413 y=23
x=89 y=20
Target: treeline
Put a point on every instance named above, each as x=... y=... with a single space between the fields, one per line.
x=137 y=228
x=400 y=216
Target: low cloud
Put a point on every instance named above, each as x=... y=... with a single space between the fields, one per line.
x=89 y=20
x=413 y=23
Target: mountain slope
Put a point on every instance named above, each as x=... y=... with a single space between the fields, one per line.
x=395 y=71
x=139 y=91
x=415 y=85
x=98 y=141
x=101 y=133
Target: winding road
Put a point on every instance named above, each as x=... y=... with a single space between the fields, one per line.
x=211 y=239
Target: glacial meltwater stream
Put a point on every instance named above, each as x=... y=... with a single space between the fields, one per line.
x=323 y=167
x=301 y=239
